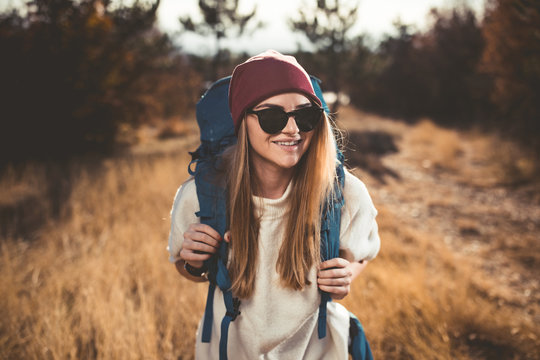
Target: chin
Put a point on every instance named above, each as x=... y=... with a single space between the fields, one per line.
x=289 y=164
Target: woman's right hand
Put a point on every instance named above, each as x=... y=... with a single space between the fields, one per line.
x=200 y=243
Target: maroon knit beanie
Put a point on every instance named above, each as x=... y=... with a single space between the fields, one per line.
x=263 y=76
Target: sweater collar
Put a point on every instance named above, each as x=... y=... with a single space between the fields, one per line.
x=272 y=208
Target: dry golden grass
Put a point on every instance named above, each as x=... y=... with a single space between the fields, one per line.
x=419 y=300
x=95 y=281
x=173 y=127
x=440 y=147
x=97 y=284
x=496 y=161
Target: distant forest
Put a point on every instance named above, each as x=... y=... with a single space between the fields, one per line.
x=75 y=73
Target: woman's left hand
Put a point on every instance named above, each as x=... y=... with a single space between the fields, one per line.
x=335 y=277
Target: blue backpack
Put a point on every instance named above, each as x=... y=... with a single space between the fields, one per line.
x=217 y=133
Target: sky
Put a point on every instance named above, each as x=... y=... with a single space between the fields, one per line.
x=375 y=18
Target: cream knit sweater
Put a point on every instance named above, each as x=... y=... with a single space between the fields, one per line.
x=279 y=323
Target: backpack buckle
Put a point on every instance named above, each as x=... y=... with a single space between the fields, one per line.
x=236 y=307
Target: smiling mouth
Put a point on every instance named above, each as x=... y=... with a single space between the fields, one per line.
x=288 y=143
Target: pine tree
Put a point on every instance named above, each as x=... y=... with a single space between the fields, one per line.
x=221 y=20
x=327 y=25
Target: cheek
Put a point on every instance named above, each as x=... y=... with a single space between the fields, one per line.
x=257 y=138
x=254 y=130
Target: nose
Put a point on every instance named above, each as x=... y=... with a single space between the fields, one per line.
x=291 y=127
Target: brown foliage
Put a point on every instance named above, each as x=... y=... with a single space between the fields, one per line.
x=222 y=19
x=74 y=71
x=326 y=24
x=512 y=58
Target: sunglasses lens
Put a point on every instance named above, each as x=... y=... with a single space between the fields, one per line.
x=308 y=118
x=272 y=121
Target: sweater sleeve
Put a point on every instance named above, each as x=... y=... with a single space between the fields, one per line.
x=183 y=211
x=359 y=232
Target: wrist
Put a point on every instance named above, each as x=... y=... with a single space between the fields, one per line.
x=197 y=271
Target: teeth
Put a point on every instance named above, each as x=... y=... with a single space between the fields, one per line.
x=288 y=143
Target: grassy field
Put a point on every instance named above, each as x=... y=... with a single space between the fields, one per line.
x=84 y=271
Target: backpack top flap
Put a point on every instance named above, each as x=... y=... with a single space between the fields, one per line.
x=213 y=115
x=215 y=124
x=316 y=83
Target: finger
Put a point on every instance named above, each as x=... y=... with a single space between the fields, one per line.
x=337 y=290
x=198 y=247
x=335 y=262
x=187 y=255
x=227 y=236
x=205 y=229
x=335 y=273
x=201 y=237
x=334 y=282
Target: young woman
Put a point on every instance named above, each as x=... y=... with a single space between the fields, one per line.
x=279 y=175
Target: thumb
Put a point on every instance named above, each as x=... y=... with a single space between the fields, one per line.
x=227 y=236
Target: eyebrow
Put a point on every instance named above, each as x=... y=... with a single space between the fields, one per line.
x=265 y=106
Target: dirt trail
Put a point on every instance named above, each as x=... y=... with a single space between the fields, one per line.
x=440 y=182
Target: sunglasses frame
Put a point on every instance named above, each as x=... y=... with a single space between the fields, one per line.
x=293 y=113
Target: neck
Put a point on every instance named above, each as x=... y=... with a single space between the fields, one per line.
x=272 y=182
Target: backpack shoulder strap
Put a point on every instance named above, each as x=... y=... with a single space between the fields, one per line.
x=331 y=218
x=217 y=133
x=330 y=231
x=359 y=347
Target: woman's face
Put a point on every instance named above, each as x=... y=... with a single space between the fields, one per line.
x=281 y=151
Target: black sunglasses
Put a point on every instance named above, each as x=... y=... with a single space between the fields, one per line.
x=273 y=120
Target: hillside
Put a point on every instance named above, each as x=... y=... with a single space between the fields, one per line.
x=84 y=271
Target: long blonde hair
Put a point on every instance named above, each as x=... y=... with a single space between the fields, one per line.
x=312 y=184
